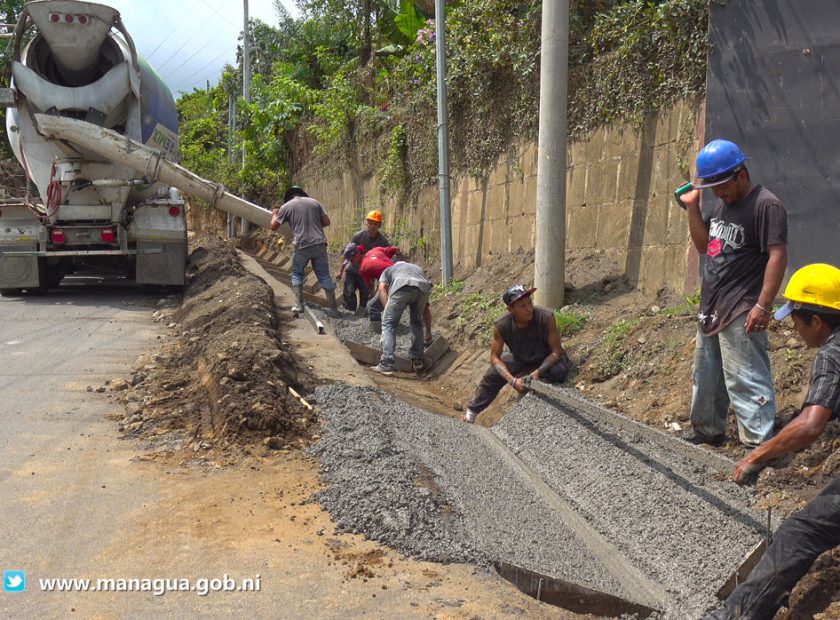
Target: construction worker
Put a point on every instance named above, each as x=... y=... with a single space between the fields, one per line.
x=368 y=237
x=530 y=333
x=373 y=264
x=404 y=285
x=307 y=219
x=813 y=295
x=352 y=260
x=743 y=238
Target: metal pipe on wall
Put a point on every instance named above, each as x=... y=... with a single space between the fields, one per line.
x=443 y=145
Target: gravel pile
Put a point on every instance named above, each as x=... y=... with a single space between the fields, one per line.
x=672 y=518
x=357 y=329
x=379 y=489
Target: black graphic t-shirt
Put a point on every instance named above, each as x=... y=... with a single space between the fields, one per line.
x=736 y=256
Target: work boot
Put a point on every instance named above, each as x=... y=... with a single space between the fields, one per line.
x=298 y=307
x=469 y=416
x=332 y=309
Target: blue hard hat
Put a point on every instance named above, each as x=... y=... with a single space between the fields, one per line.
x=718 y=162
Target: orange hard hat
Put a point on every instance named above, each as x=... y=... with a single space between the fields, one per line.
x=374 y=215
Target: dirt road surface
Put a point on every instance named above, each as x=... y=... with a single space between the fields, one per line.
x=78 y=502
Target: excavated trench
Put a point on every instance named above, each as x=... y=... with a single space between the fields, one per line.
x=573 y=504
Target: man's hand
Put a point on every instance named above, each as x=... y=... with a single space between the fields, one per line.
x=519 y=385
x=338 y=276
x=274 y=223
x=691 y=199
x=744 y=469
x=757 y=320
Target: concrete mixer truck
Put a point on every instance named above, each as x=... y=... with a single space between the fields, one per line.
x=96 y=131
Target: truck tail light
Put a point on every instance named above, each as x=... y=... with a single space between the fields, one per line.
x=58 y=236
x=108 y=235
x=174 y=211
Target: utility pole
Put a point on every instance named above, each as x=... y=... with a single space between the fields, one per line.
x=246 y=82
x=231 y=219
x=550 y=267
x=443 y=145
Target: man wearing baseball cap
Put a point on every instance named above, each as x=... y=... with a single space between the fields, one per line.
x=813 y=295
x=530 y=333
x=368 y=237
x=742 y=239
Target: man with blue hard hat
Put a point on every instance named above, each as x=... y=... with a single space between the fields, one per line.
x=744 y=239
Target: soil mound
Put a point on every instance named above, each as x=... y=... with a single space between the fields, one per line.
x=224 y=376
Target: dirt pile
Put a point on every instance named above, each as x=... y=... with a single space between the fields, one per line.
x=224 y=376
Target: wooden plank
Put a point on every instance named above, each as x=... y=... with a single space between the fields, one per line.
x=369 y=355
x=435 y=351
x=743 y=571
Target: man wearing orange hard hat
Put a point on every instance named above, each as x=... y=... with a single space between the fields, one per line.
x=368 y=237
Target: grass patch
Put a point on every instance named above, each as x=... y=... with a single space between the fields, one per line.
x=482 y=310
x=439 y=291
x=570 y=322
x=612 y=358
x=691 y=305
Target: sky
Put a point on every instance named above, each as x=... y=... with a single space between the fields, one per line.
x=189 y=41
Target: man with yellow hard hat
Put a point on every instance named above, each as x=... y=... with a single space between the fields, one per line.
x=368 y=237
x=813 y=295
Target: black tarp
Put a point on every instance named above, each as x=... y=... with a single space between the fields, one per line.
x=773 y=87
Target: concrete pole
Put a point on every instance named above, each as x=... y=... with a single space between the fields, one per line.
x=443 y=145
x=550 y=265
x=246 y=83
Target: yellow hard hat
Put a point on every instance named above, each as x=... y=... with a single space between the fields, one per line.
x=815 y=287
x=374 y=215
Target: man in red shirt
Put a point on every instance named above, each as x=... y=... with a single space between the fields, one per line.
x=373 y=264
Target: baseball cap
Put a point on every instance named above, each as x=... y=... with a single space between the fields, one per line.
x=352 y=249
x=516 y=291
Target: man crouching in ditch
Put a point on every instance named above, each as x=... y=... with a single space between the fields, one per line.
x=530 y=333
x=813 y=295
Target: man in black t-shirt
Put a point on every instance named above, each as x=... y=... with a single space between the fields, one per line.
x=530 y=333
x=814 y=304
x=744 y=240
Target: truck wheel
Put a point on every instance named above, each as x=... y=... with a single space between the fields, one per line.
x=10 y=292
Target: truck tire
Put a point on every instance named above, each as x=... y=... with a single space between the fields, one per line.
x=10 y=292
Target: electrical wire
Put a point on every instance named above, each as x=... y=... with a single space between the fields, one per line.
x=174 y=29
x=184 y=44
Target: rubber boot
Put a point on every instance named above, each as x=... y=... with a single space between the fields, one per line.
x=332 y=309
x=298 y=307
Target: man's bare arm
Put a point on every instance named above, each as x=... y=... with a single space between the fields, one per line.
x=325 y=220
x=556 y=351
x=759 y=316
x=802 y=431
x=383 y=293
x=496 y=348
x=696 y=225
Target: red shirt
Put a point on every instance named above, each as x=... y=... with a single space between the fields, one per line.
x=375 y=262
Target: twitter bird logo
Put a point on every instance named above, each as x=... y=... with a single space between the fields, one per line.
x=14 y=581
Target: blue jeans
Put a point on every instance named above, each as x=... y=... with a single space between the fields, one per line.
x=374 y=307
x=733 y=367
x=416 y=301
x=320 y=265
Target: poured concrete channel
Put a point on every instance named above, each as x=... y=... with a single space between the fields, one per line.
x=547 y=489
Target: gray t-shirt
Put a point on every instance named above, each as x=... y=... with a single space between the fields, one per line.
x=403 y=274
x=304 y=218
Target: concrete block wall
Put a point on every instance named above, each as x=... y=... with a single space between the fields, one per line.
x=619 y=199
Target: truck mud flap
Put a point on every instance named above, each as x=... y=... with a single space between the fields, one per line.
x=161 y=263
x=18 y=271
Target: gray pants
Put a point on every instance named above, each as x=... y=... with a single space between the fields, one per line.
x=416 y=301
x=492 y=382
